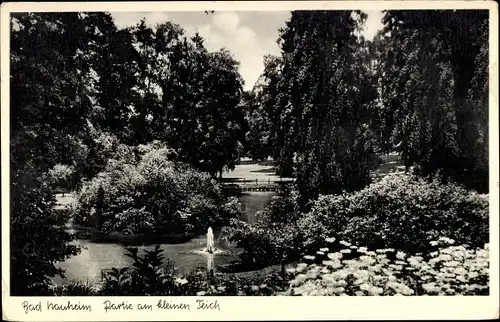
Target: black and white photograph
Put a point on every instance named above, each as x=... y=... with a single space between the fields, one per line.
x=325 y=152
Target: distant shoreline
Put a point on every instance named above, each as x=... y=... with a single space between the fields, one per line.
x=87 y=233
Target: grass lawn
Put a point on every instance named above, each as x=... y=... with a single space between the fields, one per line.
x=64 y=201
x=391 y=163
x=263 y=172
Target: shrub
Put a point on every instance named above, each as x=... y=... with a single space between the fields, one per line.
x=400 y=211
x=38 y=238
x=357 y=271
x=60 y=176
x=76 y=288
x=132 y=221
x=273 y=239
x=152 y=274
x=152 y=195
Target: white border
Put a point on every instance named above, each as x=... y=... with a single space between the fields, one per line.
x=263 y=308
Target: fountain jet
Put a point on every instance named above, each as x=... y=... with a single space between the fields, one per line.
x=210 y=240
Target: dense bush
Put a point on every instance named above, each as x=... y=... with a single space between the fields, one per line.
x=152 y=195
x=401 y=211
x=61 y=177
x=150 y=274
x=357 y=271
x=273 y=239
x=37 y=234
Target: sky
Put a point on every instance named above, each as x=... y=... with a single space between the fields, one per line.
x=249 y=35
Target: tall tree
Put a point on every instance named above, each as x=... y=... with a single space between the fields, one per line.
x=114 y=63
x=48 y=107
x=322 y=122
x=430 y=63
x=202 y=103
x=259 y=105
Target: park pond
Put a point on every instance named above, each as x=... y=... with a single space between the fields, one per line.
x=187 y=256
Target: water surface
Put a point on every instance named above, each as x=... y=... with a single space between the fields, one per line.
x=187 y=256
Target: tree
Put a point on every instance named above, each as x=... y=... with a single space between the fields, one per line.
x=258 y=105
x=322 y=122
x=202 y=103
x=49 y=106
x=429 y=66
x=155 y=47
x=114 y=65
x=477 y=101
x=257 y=123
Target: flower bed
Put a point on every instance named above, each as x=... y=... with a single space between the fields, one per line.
x=358 y=271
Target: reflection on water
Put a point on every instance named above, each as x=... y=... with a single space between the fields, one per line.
x=210 y=262
x=188 y=256
x=96 y=257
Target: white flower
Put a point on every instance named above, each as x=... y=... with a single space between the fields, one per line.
x=400 y=255
x=447 y=240
x=345 y=251
x=181 y=281
x=328 y=277
x=430 y=287
x=338 y=290
x=330 y=239
x=340 y=275
x=300 y=278
x=364 y=287
x=301 y=267
x=367 y=260
x=451 y=264
x=362 y=249
x=473 y=274
x=384 y=250
x=445 y=257
x=361 y=274
x=376 y=290
x=344 y=243
x=335 y=256
x=391 y=278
